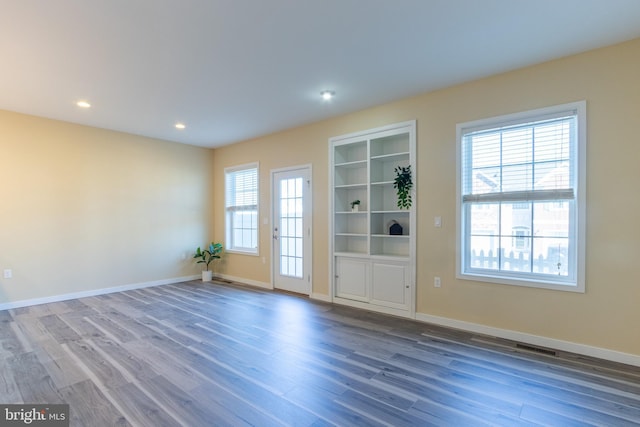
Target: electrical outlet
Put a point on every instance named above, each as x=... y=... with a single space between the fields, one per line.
x=8 y=274
x=436 y=282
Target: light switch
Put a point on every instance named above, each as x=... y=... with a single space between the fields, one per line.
x=437 y=221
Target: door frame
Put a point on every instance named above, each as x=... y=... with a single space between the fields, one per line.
x=273 y=172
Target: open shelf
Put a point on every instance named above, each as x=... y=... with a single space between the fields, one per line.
x=351 y=224
x=392 y=157
x=350 y=151
x=390 y=245
x=391 y=144
x=344 y=176
x=357 y=244
x=381 y=222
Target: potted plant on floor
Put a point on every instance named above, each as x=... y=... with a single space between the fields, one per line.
x=206 y=256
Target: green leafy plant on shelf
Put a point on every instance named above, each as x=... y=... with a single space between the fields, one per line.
x=403 y=183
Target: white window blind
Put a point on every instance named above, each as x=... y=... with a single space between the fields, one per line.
x=519 y=188
x=520 y=162
x=241 y=199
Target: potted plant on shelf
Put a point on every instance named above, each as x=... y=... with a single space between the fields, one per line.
x=206 y=256
x=403 y=183
x=355 y=205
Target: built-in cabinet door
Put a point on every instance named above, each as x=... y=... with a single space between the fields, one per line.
x=352 y=278
x=390 y=284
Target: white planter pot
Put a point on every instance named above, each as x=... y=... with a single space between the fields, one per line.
x=355 y=208
x=207 y=275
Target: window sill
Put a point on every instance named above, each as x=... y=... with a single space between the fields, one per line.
x=529 y=283
x=241 y=252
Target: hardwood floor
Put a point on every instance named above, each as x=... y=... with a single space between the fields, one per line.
x=219 y=354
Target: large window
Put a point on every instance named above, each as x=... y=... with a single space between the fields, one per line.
x=521 y=198
x=241 y=195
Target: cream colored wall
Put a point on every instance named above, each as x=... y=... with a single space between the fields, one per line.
x=604 y=316
x=285 y=149
x=83 y=209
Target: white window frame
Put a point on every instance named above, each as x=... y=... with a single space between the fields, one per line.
x=575 y=282
x=230 y=208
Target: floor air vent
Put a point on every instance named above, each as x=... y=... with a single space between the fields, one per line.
x=537 y=349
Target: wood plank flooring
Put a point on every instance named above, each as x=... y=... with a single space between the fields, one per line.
x=196 y=354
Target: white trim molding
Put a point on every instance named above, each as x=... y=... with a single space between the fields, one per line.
x=243 y=281
x=95 y=292
x=320 y=297
x=552 y=343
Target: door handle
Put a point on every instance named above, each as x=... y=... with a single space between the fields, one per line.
x=275 y=233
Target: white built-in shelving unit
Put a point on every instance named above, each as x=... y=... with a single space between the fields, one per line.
x=370 y=267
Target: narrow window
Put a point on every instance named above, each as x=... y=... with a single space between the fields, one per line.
x=241 y=199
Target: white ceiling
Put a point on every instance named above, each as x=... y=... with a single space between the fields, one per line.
x=237 y=69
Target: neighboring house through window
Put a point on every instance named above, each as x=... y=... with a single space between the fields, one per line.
x=521 y=198
x=241 y=201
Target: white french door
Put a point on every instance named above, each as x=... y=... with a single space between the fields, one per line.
x=292 y=229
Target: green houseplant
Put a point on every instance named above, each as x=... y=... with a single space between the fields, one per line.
x=206 y=256
x=354 y=205
x=403 y=183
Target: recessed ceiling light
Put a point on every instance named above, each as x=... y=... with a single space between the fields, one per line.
x=327 y=94
x=180 y=126
x=83 y=104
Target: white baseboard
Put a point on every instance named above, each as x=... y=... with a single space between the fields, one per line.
x=244 y=281
x=320 y=297
x=94 y=292
x=587 y=350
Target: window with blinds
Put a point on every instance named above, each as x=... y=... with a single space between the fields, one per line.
x=241 y=201
x=520 y=198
